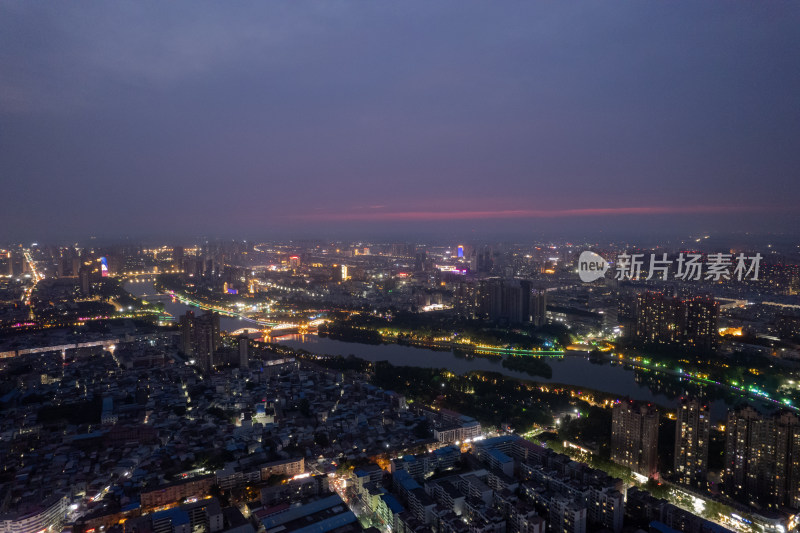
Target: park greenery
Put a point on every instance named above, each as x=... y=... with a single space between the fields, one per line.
x=408 y=327
x=533 y=366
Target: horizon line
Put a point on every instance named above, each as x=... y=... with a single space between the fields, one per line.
x=531 y=213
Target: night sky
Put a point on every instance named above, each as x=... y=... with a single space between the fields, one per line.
x=374 y=118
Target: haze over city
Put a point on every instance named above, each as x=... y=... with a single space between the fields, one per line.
x=453 y=118
x=399 y=267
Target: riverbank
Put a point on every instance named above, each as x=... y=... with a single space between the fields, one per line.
x=623 y=378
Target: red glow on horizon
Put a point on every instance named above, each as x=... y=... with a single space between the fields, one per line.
x=529 y=213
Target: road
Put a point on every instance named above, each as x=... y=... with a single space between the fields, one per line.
x=36 y=276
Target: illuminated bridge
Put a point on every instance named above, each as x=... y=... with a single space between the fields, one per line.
x=145 y=275
x=284 y=328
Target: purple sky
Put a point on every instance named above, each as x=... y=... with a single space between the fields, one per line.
x=305 y=118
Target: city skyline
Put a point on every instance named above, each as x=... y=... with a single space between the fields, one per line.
x=166 y=385
x=399 y=267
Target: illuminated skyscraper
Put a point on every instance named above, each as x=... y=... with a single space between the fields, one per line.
x=690 y=322
x=659 y=319
x=691 y=443
x=5 y=263
x=634 y=438
x=200 y=338
x=206 y=331
x=702 y=318
x=538 y=307
x=465 y=299
x=187 y=334
x=762 y=458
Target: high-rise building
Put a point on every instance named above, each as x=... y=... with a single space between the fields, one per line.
x=17 y=263
x=465 y=299
x=244 y=347
x=489 y=298
x=538 y=307
x=689 y=322
x=5 y=263
x=177 y=257
x=626 y=316
x=744 y=444
x=187 y=334
x=206 y=331
x=401 y=250
x=762 y=458
x=484 y=261
x=421 y=261
x=658 y=319
x=691 y=443
x=702 y=317
x=200 y=338
x=85 y=275
x=567 y=516
x=59 y=261
x=634 y=438
x=513 y=300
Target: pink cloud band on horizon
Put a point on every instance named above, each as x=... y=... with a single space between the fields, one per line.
x=530 y=213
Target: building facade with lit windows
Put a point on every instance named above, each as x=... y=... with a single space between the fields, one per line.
x=48 y=516
x=285 y=467
x=200 y=338
x=690 y=322
x=513 y=300
x=691 y=443
x=762 y=458
x=634 y=438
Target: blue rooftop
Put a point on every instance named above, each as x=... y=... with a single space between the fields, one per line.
x=328 y=524
x=392 y=503
x=303 y=510
x=92 y=435
x=497 y=441
x=446 y=450
x=500 y=456
x=130 y=507
x=8 y=397
x=661 y=527
x=405 y=480
x=176 y=516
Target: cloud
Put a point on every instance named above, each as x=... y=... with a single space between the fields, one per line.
x=403 y=111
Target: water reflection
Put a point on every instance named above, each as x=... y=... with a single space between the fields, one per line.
x=575 y=370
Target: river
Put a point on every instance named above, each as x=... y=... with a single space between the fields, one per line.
x=574 y=370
